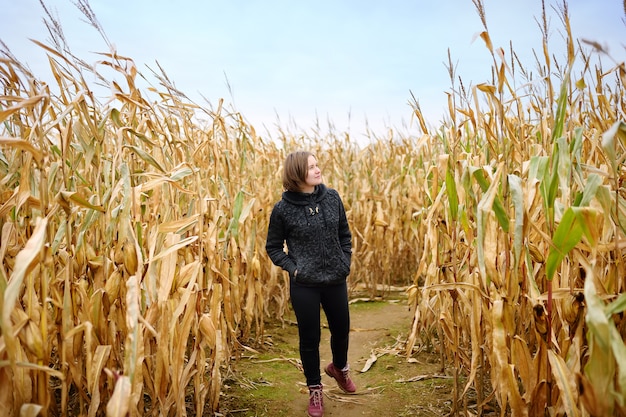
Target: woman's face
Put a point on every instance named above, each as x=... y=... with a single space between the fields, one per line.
x=313 y=175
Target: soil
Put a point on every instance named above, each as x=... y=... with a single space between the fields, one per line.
x=268 y=381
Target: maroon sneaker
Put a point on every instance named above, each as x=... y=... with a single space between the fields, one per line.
x=341 y=376
x=316 y=401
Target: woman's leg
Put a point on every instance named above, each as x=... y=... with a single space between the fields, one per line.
x=335 y=304
x=306 y=305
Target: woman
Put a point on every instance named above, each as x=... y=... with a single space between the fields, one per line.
x=311 y=219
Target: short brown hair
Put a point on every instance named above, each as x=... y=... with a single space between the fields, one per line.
x=295 y=170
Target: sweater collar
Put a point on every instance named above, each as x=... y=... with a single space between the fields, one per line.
x=303 y=199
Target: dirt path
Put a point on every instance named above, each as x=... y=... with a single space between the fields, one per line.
x=270 y=383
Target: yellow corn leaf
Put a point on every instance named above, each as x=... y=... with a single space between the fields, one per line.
x=207 y=329
x=590 y=397
x=167 y=269
x=162 y=374
x=520 y=356
x=380 y=216
x=188 y=274
x=95 y=370
x=30 y=410
x=180 y=225
x=174 y=248
x=473 y=306
x=606 y=346
x=6 y=395
x=131 y=348
x=18 y=199
x=485 y=37
x=20 y=105
x=251 y=295
x=245 y=212
x=23 y=145
x=182 y=365
x=487 y=88
x=24 y=262
x=507 y=384
x=119 y=404
x=566 y=383
x=81 y=201
x=54 y=52
x=192 y=270
x=487 y=231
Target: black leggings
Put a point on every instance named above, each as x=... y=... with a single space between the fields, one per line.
x=306 y=303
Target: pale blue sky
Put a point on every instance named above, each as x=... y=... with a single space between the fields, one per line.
x=303 y=60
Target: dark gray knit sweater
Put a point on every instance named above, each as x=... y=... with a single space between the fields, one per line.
x=319 y=242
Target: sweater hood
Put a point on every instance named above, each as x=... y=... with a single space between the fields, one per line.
x=302 y=199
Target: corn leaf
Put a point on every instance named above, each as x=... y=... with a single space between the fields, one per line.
x=517 y=197
x=600 y=366
x=566 y=383
x=616 y=135
x=146 y=157
x=24 y=262
x=496 y=204
x=453 y=199
x=119 y=404
x=576 y=222
x=23 y=145
x=81 y=201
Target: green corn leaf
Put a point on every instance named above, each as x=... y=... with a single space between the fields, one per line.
x=617 y=306
x=453 y=198
x=576 y=222
x=245 y=212
x=517 y=196
x=561 y=108
x=498 y=209
x=577 y=144
x=619 y=352
x=550 y=185
x=233 y=227
x=537 y=167
x=115 y=116
x=566 y=236
x=552 y=178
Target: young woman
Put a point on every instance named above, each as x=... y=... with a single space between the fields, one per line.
x=311 y=219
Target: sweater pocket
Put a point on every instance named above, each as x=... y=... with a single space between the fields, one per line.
x=342 y=260
x=302 y=274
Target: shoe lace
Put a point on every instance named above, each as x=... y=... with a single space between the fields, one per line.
x=315 y=395
x=345 y=373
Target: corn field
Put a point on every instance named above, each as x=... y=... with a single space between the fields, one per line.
x=133 y=269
